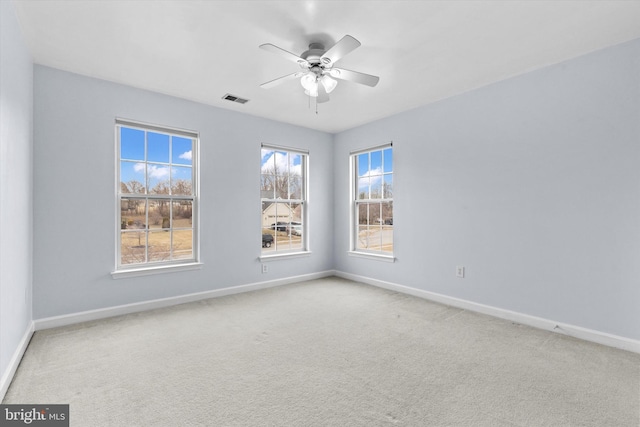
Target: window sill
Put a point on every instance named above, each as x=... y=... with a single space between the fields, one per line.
x=377 y=257
x=277 y=257
x=148 y=271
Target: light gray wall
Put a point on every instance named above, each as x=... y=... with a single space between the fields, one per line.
x=16 y=157
x=74 y=202
x=533 y=184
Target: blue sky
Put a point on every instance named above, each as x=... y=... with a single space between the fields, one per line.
x=372 y=170
x=376 y=158
x=167 y=155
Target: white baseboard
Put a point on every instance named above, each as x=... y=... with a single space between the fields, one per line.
x=524 y=319
x=7 y=375
x=102 y=313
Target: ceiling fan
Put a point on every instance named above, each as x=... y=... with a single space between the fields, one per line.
x=317 y=70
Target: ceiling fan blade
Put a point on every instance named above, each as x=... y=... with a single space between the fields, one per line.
x=280 y=80
x=354 y=76
x=285 y=54
x=340 y=49
x=323 y=96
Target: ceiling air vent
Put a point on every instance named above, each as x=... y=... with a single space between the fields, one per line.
x=234 y=98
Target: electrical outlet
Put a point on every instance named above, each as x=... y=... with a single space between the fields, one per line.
x=460 y=271
x=265 y=268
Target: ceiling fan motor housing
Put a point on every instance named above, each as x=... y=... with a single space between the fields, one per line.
x=314 y=54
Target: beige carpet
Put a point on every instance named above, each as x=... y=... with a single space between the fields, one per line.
x=325 y=353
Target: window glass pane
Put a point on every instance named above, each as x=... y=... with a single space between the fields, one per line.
x=387 y=213
x=181 y=150
x=375 y=238
x=132 y=177
x=268 y=240
x=362 y=242
x=131 y=144
x=295 y=239
x=181 y=180
x=266 y=165
x=363 y=164
x=182 y=211
x=295 y=187
x=374 y=214
x=283 y=242
x=376 y=162
x=295 y=225
x=133 y=246
x=363 y=188
x=295 y=164
x=387 y=227
x=157 y=179
x=182 y=245
x=387 y=187
x=159 y=246
x=282 y=163
x=157 y=147
x=363 y=213
x=159 y=214
x=268 y=232
x=267 y=186
x=376 y=187
x=133 y=214
x=388 y=160
x=269 y=214
x=282 y=186
x=284 y=215
x=275 y=163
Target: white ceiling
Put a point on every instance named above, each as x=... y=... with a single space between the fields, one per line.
x=423 y=51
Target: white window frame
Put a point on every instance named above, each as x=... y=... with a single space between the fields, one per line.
x=355 y=201
x=303 y=201
x=155 y=267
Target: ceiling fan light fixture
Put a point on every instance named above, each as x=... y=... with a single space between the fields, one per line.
x=313 y=91
x=328 y=83
x=309 y=81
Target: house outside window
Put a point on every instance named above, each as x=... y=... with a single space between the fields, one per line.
x=283 y=193
x=156 y=196
x=372 y=201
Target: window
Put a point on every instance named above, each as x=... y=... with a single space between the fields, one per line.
x=372 y=201
x=283 y=192
x=157 y=196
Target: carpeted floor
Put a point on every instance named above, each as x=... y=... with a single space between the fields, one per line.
x=327 y=352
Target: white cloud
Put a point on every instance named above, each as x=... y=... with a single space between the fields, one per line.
x=186 y=155
x=375 y=176
x=157 y=172
x=376 y=171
